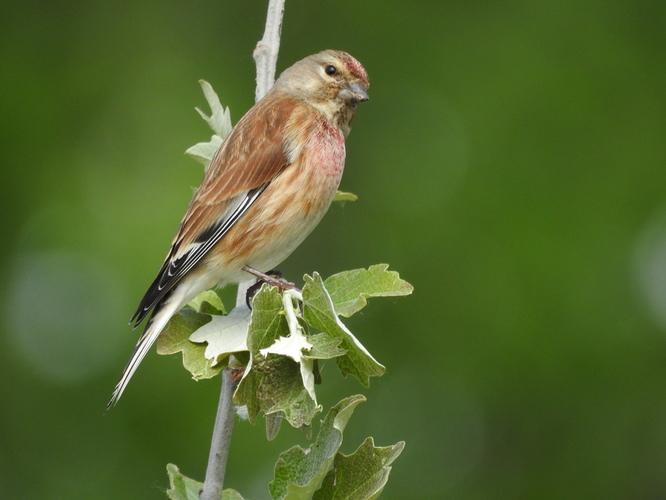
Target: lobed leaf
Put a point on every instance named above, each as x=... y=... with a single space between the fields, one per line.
x=184 y=488
x=273 y=383
x=298 y=471
x=349 y=290
x=224 y=335
x=175 y=338
x=207 y=302
x=219 y=121
x=319 y=311
x=220 y=118
x=361 y=475
x=203 y=151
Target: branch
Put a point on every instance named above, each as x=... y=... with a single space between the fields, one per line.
x=265 y=56
x=224 y=424
x=219 y=450
x=266 y=52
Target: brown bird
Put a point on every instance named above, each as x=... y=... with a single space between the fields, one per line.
x=267 y=187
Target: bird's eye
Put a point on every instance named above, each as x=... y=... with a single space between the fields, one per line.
x=331 y=70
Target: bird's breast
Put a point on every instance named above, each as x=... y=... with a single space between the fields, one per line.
x=327 y=150
x=314 y=143
x=293 y=203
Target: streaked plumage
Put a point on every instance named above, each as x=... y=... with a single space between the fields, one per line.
x=267 y=187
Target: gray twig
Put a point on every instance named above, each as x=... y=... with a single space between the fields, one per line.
x=266 y=51
x=265 y=56
x=219 y=450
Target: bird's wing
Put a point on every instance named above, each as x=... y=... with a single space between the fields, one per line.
x=249 y=159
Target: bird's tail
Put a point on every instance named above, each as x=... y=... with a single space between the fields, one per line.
x=161 y=316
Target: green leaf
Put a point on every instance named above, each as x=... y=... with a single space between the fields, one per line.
x=219 y=121
x=224 y=335
x=230 y=494
x=175 y=338
x=325 y=347
x=265 y=326
x=319 y=312
x=343 y=196
x=215 y=305
x=349 y=290
x=184 y=488
x=203 y=151
x=295 y=345
x=298 y=471
x=361 y=475
x=272 y=383
x=303 y=349
x=282 y=390
x=273 y=424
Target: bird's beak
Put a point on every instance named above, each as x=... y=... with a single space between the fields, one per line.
x=356 y=92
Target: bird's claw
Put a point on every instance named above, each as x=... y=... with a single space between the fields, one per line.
x=272 y=277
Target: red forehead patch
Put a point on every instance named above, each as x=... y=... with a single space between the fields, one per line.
x=356 y=69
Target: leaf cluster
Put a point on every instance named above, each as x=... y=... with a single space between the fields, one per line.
x=279 y=343
x=319 y=471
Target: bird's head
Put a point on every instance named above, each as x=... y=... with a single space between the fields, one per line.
x=331 y=81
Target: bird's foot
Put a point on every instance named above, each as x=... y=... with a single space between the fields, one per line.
x=236 y=374
x=273 y=278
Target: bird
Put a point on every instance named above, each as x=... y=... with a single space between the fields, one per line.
x=267 y=186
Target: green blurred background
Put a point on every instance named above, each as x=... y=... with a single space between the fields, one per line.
x=511 y=165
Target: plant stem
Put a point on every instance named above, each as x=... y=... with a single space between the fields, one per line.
x=224 y=424
x=219 y=451
x=265 y=57
x=266 y=52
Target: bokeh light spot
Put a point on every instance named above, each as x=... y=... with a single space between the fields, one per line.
x=62 y=312
x=650 y=265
